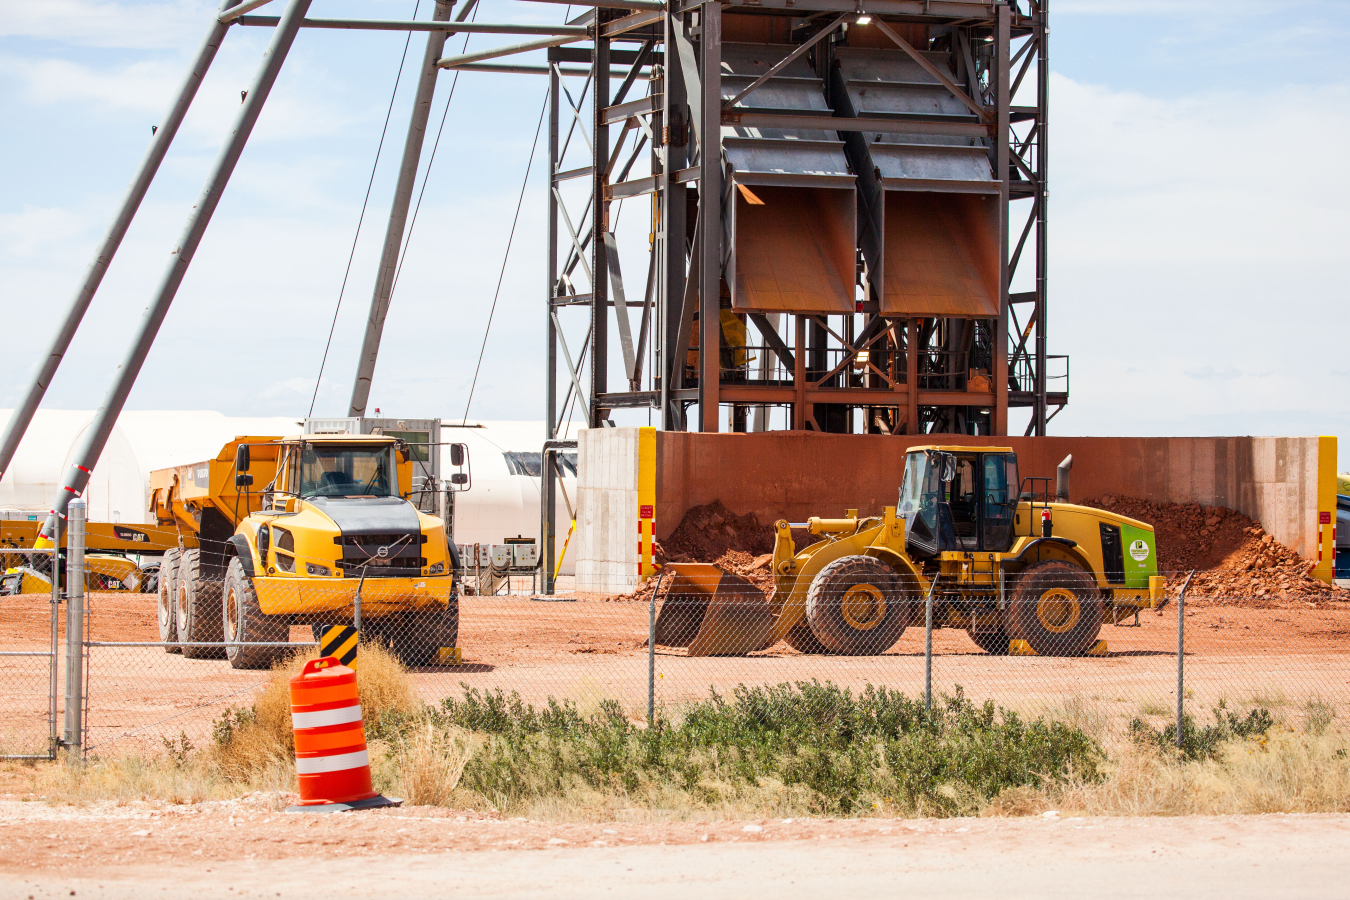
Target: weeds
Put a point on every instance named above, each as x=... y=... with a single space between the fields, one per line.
x=1204 y=743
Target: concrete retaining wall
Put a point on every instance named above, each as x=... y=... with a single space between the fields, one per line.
x=792 y=475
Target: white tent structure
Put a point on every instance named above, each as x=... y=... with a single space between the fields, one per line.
x=504 y=460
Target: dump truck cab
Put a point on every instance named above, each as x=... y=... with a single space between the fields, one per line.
x=1016 y=568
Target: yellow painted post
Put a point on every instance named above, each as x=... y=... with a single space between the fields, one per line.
x=646 y=501
x=1326 y=509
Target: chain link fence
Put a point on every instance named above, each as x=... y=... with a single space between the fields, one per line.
x=163 y=666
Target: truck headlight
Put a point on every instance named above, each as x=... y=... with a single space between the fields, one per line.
x=436 y=568
x=320 y=571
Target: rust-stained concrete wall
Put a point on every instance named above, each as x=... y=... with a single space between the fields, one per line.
x=793 y=475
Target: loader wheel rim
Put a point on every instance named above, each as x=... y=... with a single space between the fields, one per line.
x=863 y=607
x=1058 y=610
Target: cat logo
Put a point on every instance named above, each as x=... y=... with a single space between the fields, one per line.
x=131 y=534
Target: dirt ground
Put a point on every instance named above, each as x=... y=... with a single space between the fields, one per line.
x=250 y=848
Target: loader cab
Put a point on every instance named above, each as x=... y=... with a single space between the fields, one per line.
x=958 y=499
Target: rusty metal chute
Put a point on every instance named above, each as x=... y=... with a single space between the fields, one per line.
x=793 y=210
x=930 y=202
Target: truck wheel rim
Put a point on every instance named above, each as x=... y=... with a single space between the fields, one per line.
x=1058 y=610
x=863 y=607
x=231 y=615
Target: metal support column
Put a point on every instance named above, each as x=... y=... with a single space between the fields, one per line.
x=672 y=227
x=398 y=213
x=710 y=218
x=1042 y=253
x=91 y=447
x=1002 y=125
x=74 y=725
x=600 y=88
x=160 y=139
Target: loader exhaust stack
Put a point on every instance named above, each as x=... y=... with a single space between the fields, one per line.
x=1062 y=479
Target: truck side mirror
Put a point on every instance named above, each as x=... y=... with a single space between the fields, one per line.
x=243 y=480
x=241 y=459
x=459 y=478
x=457 y=455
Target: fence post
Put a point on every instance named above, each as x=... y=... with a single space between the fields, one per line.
x=74 y=731
x=1181 y=653
x=53 y=670
x=928 y=645
x=651 y=652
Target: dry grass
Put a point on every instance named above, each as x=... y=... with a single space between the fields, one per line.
x=1302 y=765
x=254 y=750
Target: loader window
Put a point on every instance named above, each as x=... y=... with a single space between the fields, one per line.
x=964 y=503
x=1000 y=485
x=338 y=471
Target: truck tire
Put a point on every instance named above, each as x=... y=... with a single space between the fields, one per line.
x=857 y=606
x=995 y=643
x=168 y=592
x=415 y=637
x=197 y=607
x=244 y=623
x=1056 y=608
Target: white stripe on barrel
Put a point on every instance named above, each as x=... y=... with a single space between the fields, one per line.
x=325 y=717
x=317 y=765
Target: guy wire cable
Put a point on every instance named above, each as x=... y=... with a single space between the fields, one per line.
x=359 y=221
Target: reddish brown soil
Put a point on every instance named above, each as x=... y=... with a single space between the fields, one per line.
x=1234 y=557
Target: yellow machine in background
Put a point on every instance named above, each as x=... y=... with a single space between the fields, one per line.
x=108 y=565
x=330 y=538
x=1014 y=571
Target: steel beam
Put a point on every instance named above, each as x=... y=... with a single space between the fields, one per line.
x=435 y=25
x=398 y=214
x=451 y=62
x=160 y=139
x=1002 y=153
x=1042 y=229
x=599 y=228
x=96 y=437
x=710 y=217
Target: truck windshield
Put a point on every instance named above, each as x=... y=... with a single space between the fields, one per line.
x=338 y=471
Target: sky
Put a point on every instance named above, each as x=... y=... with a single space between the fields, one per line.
x=1197 y=224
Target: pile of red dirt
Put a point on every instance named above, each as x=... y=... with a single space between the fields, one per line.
x=1233 y=556
x=709 y=532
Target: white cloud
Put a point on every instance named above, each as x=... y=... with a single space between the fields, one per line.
x=106 y=23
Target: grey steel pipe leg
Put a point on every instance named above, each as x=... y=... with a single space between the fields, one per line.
x=91 y=447
x=74 y=730
x=159 y=146
x=398 y=213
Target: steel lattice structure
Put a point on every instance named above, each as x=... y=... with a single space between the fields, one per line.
x=859 y=212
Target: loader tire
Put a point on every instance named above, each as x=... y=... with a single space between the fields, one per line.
x=857 y=606
x=197 y=607
x=168 y=592
x=245 y=624
x=995 y=643
x=1056 y=608
x=803 y=640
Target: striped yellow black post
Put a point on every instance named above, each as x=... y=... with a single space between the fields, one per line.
x=340 y=641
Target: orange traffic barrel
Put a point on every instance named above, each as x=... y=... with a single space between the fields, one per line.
x=331 y=762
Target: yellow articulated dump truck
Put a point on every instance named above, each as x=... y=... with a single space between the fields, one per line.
x=312 y=530
x=1017 y=570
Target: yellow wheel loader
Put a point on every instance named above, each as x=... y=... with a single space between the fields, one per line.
x=332 y=539
x=1013 y=567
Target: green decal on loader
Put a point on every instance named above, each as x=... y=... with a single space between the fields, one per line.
x=1141 y=558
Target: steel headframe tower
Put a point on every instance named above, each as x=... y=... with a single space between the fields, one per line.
x=840 y=202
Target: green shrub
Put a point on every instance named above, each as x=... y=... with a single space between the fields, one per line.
x=1206 y=742
x=835 y=752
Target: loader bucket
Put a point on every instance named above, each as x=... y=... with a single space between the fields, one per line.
x=713 y=613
